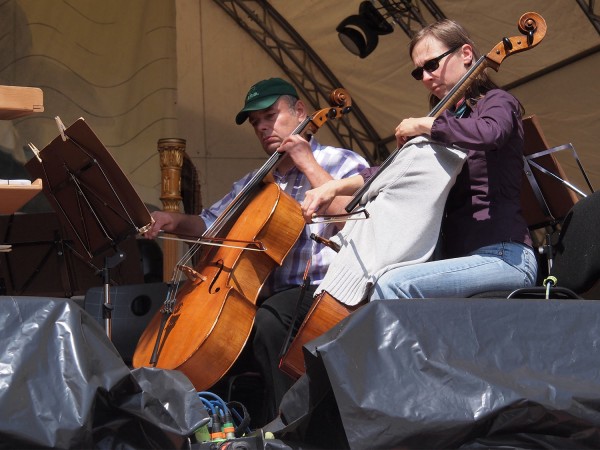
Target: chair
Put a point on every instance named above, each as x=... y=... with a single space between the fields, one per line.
x=546 y=194
x=575 y=257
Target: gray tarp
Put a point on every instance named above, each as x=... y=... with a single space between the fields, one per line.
x=453 y=373
x=64 y=385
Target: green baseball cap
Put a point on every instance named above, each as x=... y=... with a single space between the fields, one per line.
x=263 y=94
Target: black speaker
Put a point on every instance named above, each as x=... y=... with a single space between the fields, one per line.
x=133 y=307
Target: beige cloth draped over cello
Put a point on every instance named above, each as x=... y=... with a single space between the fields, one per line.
x=405 y=204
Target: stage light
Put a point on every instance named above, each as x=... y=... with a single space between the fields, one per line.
x=360 y=33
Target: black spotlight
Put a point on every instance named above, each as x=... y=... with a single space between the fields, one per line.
x=359 y=33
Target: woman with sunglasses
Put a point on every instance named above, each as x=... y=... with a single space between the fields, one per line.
x=485 y=243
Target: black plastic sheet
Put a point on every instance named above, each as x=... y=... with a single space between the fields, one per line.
x=64 y=385
x=452 y=373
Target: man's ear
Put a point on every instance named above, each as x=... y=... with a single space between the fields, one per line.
x=301 y=109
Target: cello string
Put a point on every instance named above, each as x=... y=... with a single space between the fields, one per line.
x=177 y=276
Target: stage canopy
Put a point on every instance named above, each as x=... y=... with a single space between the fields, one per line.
x=151 y=69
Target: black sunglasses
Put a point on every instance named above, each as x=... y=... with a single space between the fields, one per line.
x=431 y=65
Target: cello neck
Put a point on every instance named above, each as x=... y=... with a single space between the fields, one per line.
x=458 y=91
x=451 y=98
x=250 y=188
x=341 y=104
x=530 y=24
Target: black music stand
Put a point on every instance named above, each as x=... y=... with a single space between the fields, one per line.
x=547 y=195
x=42 y=261
x=94 y=201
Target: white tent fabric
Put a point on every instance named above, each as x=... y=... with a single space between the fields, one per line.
x=148 y=69
x=381 y=84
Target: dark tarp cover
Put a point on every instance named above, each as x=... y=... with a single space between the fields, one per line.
x=64 y=385
x=452 y=373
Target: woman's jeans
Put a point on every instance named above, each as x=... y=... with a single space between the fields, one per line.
x=500 y=267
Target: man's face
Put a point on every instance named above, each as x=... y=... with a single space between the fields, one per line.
x=274 y=124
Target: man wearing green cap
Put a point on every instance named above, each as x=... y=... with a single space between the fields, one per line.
x=274 y=110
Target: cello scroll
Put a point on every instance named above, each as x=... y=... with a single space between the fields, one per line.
x=340 y=104
x=530 y=24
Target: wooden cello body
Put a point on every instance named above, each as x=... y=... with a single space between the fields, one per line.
x=324 y=313
x=203 y=328
x=214 y=312
x=328 y=310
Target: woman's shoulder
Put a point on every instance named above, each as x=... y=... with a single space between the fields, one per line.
x=499 y=95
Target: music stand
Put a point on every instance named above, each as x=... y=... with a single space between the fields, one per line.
x=92 y=197
x=43 y=263
x=547 y=196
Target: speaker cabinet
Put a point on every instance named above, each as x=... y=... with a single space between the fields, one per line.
x=133 y=308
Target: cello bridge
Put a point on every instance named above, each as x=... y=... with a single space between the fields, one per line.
x=191 y=274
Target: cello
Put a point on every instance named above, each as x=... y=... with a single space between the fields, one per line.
x=203 y=326
x=333 y=303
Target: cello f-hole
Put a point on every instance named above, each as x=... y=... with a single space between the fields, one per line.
x=212 y=283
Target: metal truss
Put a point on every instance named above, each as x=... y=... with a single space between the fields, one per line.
x=588 y=8
x=306 y=71
x=407 y=14
x=310 y=74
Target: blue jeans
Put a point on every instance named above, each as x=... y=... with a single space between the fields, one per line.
x=500 y=267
